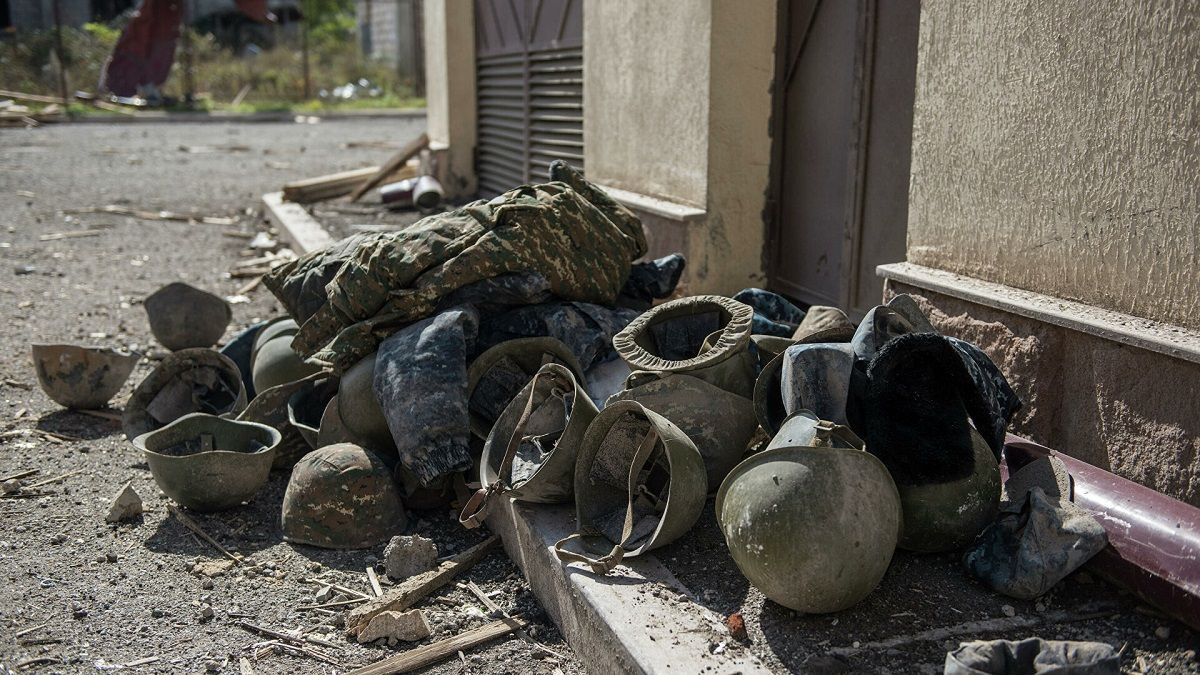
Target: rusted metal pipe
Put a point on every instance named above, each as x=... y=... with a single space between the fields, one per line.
x=1153 y=540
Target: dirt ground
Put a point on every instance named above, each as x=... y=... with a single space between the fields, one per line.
x=80 y=595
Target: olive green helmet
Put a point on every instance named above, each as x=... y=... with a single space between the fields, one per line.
x=813 y=520
x=182 y=316
x=530 y=453
x=341 y=496
x=497 y=376
x=275 y=363
x=359 y=406
x=946 y=516
x=640 y=483
x=307 y=404
x=269 y=407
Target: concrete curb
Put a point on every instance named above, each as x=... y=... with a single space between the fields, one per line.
x=159 y=117
x=631 y=621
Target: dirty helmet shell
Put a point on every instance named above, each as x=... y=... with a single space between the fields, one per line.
x=341 y=496
x=183 y=316
x=186 y=381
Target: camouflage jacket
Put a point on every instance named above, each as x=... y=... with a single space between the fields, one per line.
x=571 y=233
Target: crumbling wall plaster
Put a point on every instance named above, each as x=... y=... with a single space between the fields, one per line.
x=1056 y=148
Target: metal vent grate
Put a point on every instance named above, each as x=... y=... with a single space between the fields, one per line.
x=529 y=78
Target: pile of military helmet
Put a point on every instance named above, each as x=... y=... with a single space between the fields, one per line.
x=483 y=340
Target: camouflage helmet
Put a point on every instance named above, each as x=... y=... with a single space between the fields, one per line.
x=182 y=316
x=813 y=520
x=81 y=377
x=341 y=496
x=946 y=516
x=187 y=381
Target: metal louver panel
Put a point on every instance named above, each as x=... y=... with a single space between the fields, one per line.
x=529 y=79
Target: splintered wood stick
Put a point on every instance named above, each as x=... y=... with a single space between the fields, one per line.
x=371 y=577
x=398 y=160
x=493 y=607
x=18 y=476
x=195 y=527
x=56 y=479
x=411 y=660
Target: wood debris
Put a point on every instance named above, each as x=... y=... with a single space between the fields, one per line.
x=76 y=234
x=414 y=589
x=411 y=660
x=497 y=610
x=329 y=186
x=392 y=166
x=374 y=580
x=195 y=527
x=117 y=209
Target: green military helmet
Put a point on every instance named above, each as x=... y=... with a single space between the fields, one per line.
x=307 y=404
x=719 y=422
x=269 y=407
x=182 y=316
x=530 y=453
x=341 y=496
x=274 y=328
x=813 y=520
x=207 y=463
x=705 y=336
x=640 y=483
x=186 y=381
x=359 y=406
x=947 y=516
x=274 y=363
x=496 y=376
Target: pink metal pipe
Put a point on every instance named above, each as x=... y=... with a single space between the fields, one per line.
x=1153 y=540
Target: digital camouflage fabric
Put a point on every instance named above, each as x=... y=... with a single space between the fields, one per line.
x=572 y=234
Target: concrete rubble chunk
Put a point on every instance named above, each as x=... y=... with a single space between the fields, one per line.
x=406 y=556
x=407 y=626
x=211 y=568
x=127 y=504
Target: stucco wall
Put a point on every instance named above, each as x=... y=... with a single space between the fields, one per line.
x=1056 y=148
x=646 y=92
x=1125 y=409
x=450 y=91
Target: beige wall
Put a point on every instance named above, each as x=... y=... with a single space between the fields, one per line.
x=449 y=27
x=1056 y=148
x=677 y=105
x=645 y=92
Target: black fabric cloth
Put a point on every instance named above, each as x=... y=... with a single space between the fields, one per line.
x=651 y=280
x=585 y=328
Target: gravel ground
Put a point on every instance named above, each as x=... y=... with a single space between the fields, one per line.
x=81 y=595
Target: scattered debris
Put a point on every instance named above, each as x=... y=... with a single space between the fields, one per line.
x=117 y=209
x=408 y=555
x=498 y=612
x=374 y=580
x=77 y=234
x=127 y=504
x=398 y=160
x=420 y=657
x=408 y=626
x=326 y=187
x=194 y=527
x=417 y=588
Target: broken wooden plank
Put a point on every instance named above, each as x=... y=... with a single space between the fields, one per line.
x=19 y=476
x=398 y=160
x=320 y=188
x=77 y=234
x=499 y=611
x=420 y=657
x=415 y=589
x=36 y=98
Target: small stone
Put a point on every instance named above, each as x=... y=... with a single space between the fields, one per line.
x=157 y=613
x=324 y=595
x=10 y=486
x=1163 y=632
x=406 y=556
x=206 y=612
x=207 y=584
x=127 y=504
x=58 y=538
x=111 y=557
x=212 y=666
x=407 y=626
x=1008 y=610
x=211 y=568
x=79 y=613
x=737 y=626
